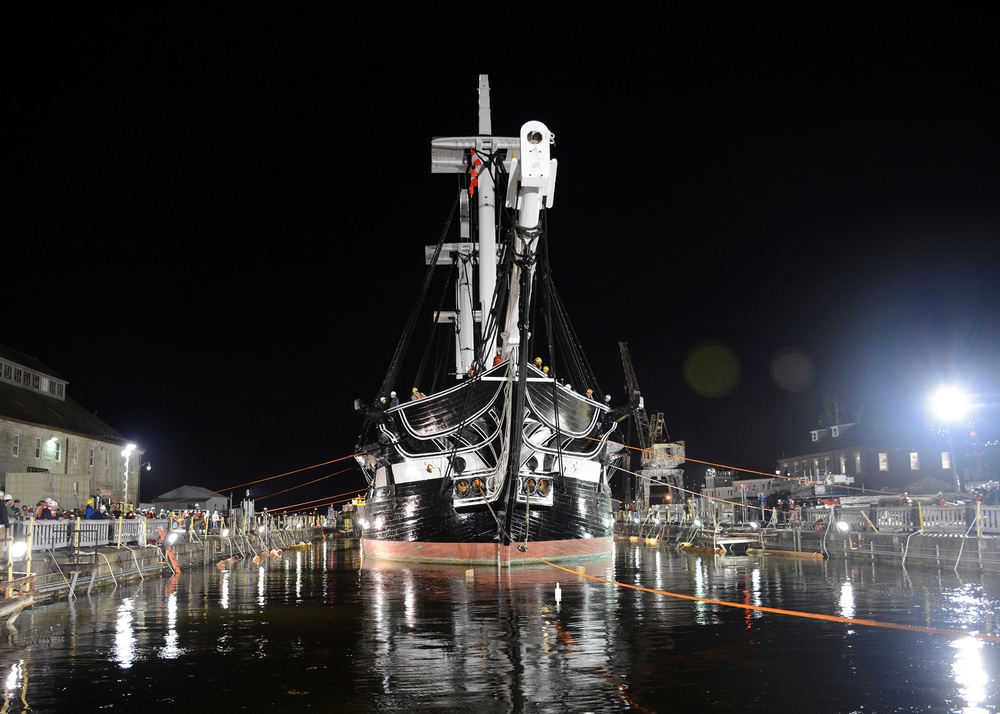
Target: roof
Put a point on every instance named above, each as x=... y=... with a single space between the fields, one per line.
x=32 y=363
x=190 y=493
x=882 y=434
x=32 y=407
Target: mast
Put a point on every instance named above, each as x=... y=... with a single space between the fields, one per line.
x=532 y=180
x=531 y=186
x=478 y=157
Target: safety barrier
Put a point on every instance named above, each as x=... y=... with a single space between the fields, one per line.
x=890 y=519
x=53 y=535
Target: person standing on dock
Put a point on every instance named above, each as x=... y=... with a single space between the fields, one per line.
x=4 y=524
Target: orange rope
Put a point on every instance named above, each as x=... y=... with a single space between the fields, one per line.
x=779 y=611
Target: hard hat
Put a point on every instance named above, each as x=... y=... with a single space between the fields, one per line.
x=90 y=502
x=538 y=359
x=392 y=394
x=103 y=507
x=590 y=391
x=8 y=497
x=608 y=397
x=414 y=390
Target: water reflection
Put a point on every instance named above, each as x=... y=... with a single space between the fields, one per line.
x=317 y=630
x=970 y=674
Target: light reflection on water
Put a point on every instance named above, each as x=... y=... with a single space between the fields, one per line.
x=314 y=630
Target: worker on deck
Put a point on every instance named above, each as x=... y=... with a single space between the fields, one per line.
x=416 y=394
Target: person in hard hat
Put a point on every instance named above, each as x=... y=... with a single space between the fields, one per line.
x=416 y=394
x=497 y=359
x=538 y=362
x=89 y=513
x=607 y=400
x=12 y=512
x=590 y=394
x=4 y=521
x=393 y=400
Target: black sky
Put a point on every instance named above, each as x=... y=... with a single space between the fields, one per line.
x=215 y=217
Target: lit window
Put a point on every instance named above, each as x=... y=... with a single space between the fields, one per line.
x=946 y=460
x=91 y=464
x=857 y=462
x=914 y=461
x=883 y=462
x=17 y=445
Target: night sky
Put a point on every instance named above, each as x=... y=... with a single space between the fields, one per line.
x=215 y=218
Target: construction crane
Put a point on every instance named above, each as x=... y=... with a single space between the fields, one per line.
x=632 y=386
x=661 y=459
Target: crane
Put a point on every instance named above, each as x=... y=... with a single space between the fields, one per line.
x=661 y=459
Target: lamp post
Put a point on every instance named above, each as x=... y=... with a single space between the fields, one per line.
x=127 y=453
x=950 y=404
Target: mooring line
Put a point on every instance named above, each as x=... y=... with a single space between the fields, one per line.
x=780 y=611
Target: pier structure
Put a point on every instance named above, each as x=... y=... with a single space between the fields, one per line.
x=47 y=560
x=960 y=537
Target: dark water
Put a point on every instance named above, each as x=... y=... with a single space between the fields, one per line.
x=316 y=631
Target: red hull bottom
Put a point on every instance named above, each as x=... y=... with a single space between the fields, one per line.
x=486 y=553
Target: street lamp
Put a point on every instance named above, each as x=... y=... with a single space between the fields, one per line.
x=950 y=404
x=127 y=453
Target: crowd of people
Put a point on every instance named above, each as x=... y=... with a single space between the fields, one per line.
x=988 y=494
x=48 y=509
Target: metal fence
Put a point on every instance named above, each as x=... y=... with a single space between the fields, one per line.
x=973 y=518
x=52 y=535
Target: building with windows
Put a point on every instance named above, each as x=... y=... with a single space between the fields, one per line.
x=874 y=455
x=51 y=447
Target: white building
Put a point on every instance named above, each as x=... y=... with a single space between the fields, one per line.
x=51 y=447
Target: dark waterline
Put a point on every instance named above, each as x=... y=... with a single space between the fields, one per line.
x=319 y=630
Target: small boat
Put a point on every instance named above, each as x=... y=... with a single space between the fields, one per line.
x=508 y=459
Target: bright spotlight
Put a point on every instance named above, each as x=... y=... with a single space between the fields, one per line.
x=950 y=403
x=17 y=549
x=843 y=526
x=172 y=538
